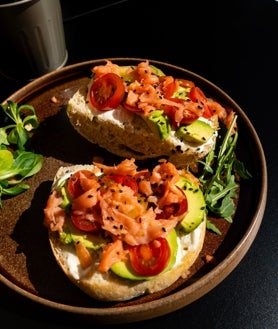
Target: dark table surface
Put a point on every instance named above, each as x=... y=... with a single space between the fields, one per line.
x=234 y=45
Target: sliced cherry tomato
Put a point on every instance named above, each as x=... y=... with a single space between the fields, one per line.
x=150 y=259
x=107 y=92
x=125 y=180
x=132 y=108
x=171 y=85
x=175 y=209
x=186 y=83
x=169 y=88
x=188 y=116
x=207 y=112
x=86 y=220
x=75 y=187
x=197 y=95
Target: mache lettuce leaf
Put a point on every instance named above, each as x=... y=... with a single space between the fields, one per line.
x=17 y=160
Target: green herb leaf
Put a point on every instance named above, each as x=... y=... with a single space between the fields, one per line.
x=26 y=164
x=6 y=161
x=241 y=170
x=23 y=119
x=212 y=227
x=17 y=162
x=3 y=137
x=218 y=176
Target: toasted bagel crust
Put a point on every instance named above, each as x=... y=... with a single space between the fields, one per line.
x=128 y=135
x=109 y=286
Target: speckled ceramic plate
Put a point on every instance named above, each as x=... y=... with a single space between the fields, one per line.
x=27 y=265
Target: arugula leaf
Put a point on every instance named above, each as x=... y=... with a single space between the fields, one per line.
x=212 y=227
x=17 y=162
x=241 y=170
x=218 y=180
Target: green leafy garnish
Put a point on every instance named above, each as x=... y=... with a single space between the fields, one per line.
x=17 y=160
x=218 y=178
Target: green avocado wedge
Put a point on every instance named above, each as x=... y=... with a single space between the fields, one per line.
x=196 y=205
x=71 y=235
x=124 y=270
x=157 y=71
x=197 y=133
x=160 y=122
x=129 y=73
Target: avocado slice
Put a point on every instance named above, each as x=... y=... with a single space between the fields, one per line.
x=182 y=93
x=71 y=235
x=160 y=122
x=198 y=132
x=157 y=71
x=128 y=73
x=196 y=205
x=66 y=200
x=124 y=270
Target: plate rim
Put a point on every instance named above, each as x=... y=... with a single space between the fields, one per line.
x=227 y=265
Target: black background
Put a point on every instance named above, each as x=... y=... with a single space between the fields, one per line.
x=234 y=45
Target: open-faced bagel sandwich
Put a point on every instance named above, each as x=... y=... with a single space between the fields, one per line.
x=139 y=112
x=119 y=232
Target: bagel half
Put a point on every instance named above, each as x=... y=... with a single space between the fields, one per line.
x=131 y=135
x=109 y=286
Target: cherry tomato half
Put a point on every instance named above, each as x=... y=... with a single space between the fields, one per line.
x=86 y=220
x=170 y=88
x=125 y=180
x=132 y=108
x=173 y=86
x=188 y=116
x=186 y=83
x=197 y=95
x=175 y=209
x=107 y=92
x=150 y=259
